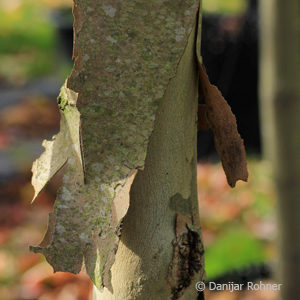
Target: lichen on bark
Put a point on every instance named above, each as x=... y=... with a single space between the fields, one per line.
x=125 y=54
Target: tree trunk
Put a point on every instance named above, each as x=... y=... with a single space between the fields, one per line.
x=280 y=107
x=157 y=257
x=127 y=209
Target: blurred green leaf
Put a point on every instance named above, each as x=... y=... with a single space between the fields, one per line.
x=224 y=6
x=27 y=27
x=235 y=248
x=27 y=48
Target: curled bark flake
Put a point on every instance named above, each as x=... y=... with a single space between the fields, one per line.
x=58 y=149
x=222 y=122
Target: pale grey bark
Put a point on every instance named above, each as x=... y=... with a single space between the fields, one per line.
x=280 y=108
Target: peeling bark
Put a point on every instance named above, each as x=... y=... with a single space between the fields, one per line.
x=125 y=54
x=218 y=116
x=147 y=265
x=188 y=257
x=128 y=143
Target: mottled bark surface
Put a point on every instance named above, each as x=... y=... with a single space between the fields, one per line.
x=160 y=255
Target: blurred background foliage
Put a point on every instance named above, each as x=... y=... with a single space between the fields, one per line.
x=238 y=224
x=225 y=6
x=239 y=227
x=28 y=39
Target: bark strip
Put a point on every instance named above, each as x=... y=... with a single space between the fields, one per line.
x=222 y=122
